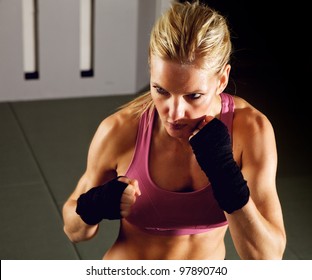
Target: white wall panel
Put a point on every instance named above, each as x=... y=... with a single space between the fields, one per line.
x=29 y=36
x=86 y=35
x=121 y=33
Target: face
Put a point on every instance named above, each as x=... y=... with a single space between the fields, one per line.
x=184 y=94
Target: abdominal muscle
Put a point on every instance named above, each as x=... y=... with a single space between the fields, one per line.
x=134 y=244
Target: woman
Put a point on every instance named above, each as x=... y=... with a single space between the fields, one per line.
x=186 y=161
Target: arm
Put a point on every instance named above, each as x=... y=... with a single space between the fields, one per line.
x=257 y=228
x=104 y=154
x=247 y=191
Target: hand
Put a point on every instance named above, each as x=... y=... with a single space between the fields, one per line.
x=212 y=146
x=129 y=195
x=201 y=124
x=104 y=201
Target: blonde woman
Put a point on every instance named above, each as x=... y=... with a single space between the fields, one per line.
x=185 y=162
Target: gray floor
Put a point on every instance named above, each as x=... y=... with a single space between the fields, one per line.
x=43 y=148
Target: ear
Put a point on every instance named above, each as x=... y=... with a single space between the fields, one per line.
x=224 y=78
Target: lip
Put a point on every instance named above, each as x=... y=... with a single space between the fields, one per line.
x=176 y=126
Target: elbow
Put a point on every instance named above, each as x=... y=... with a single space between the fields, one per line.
x=279 y=246
x=282 y=247
x=275 y=252
x=74 y=238
x=271 y=251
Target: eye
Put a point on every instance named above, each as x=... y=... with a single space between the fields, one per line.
x=160 y=90
x=194 y=96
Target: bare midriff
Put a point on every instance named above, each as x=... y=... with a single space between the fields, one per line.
x=135 y=244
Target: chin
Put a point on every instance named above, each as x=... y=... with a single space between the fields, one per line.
x=179 y=134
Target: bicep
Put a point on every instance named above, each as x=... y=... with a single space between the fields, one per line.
x=101 y=163
x=259 y=166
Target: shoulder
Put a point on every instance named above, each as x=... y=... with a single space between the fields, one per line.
x=119 y=124
x=248 y=118
x=114 y=136
x=253 y=133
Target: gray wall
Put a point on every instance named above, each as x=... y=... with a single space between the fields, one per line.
x=121 y=34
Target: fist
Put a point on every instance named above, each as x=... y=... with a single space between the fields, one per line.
x=129 y=195
x=200 y=125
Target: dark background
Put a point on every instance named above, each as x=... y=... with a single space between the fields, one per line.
x=271 y=68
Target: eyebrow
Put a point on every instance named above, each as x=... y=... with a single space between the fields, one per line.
x=199 y=91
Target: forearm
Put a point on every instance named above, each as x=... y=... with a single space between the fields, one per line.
x=256 y=229
x=255 y=237
x=82 y=216
x=74 y=227
x=213 y=150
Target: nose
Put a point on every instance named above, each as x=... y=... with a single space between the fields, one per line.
x=176 y=109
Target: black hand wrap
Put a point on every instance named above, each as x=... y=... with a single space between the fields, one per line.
x=102 y=202
x=213 y=150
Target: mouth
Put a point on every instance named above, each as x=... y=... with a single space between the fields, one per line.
x=176 y=126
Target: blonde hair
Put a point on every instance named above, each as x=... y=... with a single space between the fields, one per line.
x=188 y=33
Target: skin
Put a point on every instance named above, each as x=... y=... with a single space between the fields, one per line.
x=184 y=105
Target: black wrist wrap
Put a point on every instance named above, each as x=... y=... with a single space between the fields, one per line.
x=102 y=202
x=213 y=150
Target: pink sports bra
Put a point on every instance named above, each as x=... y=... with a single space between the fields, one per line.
x=159 y=211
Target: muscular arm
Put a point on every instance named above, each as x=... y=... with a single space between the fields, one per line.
x=257 y=229
x=243 y=180
x=107 y=146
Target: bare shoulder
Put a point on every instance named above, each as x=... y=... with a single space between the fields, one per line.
x=253 y=136
x=249 y=119
x=115 y=136
x=118 y=131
